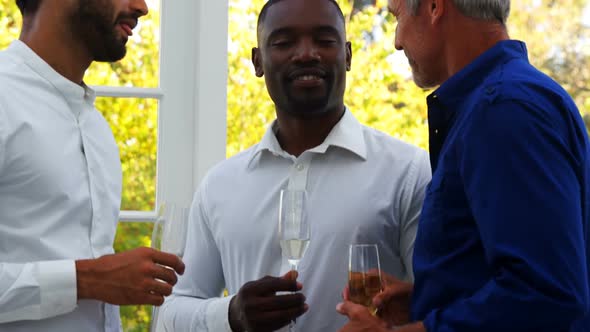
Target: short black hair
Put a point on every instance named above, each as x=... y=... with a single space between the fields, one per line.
x=269 y=3
x=28 y=6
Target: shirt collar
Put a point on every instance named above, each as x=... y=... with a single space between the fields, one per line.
x=463 y=83
x=69 y=89
x=347 y=134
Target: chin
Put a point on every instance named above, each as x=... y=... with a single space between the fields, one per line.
x=110 y=55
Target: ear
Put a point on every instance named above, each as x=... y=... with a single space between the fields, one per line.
x=348 y=55
x=436 y=10
x=257 y=62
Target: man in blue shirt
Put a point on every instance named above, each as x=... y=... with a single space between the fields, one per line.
x=504 y=242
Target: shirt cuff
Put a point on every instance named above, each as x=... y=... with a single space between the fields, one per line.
x=57 y=281
x=217 y=316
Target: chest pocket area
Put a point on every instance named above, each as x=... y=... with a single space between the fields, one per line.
x=446 y=216
x=429 y=229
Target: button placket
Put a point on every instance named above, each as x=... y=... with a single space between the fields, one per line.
x=299 y=171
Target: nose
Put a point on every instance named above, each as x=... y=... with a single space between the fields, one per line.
x=139 y=7
x=306 y=51
x=397 y=41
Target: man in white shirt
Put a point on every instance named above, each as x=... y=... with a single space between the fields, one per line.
x=60 y=176
x=363 y=187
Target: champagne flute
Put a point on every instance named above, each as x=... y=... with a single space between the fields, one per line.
x=293 y=226
x=169 y=235
x=364 y=275
x=294 y=230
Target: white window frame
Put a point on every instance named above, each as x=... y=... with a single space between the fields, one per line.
x=192 y=98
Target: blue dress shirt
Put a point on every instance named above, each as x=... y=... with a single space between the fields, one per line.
x=504 y=242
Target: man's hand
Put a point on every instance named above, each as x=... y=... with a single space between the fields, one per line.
x=257 y=308
x=139 y=276
x=393 y=303
x=361 y=319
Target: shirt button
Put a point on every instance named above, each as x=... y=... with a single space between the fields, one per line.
x=436 y=131
x=300 y=167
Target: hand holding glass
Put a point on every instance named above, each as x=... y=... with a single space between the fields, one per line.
x=364 y=274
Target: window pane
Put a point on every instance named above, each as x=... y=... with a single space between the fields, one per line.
x=131 y=236
x=134 y=122
x=140 y=67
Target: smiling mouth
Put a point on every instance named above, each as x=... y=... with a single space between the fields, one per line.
x=308 y=78
x=127 y=29
x=307 y=81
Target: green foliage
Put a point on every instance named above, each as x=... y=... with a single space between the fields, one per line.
x=380 y=93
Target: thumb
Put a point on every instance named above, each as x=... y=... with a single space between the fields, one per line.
x=291 y=275
x=382 y=297
x=352 y=310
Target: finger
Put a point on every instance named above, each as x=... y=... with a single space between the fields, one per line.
x=352 y=310
x=159 y=288
x=170 y=260
x=271 y=285
x=291 y=275
x=274 y=320
x=346 y=294
x=280 y=302
x=165 y=274
x=397 y=292
x=388 y=279
x=153 y=299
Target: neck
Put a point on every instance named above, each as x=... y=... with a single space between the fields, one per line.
x=470 y=38
x=298 y=134
x=64 y=53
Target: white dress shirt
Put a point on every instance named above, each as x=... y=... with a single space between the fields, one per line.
x=60 y=189
x=363 y=187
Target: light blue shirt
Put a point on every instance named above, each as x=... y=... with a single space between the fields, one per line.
x=363 y=187
x=60 y=190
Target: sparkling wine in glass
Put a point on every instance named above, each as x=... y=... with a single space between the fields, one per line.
x=294 y=229
x=364 y=274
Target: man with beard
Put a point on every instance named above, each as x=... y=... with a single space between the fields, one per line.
x=504 y=238
x=60 y=176
x=362 y=187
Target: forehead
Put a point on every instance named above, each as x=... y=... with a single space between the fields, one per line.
x=301 y=15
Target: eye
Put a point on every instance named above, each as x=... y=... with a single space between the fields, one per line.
x=327 y=41
x=281 y=43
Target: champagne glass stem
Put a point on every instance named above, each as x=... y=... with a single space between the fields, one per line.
x=293 y=263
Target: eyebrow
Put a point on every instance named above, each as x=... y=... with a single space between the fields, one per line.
x=289 y=30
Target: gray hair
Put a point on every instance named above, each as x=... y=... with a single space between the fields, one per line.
x=489 y=10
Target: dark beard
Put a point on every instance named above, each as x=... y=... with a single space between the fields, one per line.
x=92 y=24
x=308 y=106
